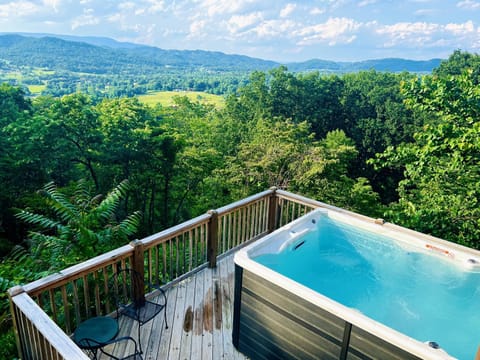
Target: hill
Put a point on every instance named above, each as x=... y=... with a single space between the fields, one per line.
x=81 y=56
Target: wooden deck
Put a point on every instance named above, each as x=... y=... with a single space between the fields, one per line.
x=199 y=315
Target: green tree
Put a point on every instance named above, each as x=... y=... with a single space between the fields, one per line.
x=73 y=122
x=376 y=117
x=19 y=170
x=439 y=194
x=324 y=175
x=458 y=63
x=200 y=144
x=270 y=158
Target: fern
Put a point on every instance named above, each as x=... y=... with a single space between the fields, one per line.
x=36 y=219
x=59 y=202
x=84 y=225
x=108 y=207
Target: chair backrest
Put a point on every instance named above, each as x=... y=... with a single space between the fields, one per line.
x=128 y=287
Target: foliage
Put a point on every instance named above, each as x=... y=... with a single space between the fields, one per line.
x=457 y=63
x=80 y=227
x=271 y=157
x=8 y=348
x=324 y=175
x=375 y=118
x=439 y=194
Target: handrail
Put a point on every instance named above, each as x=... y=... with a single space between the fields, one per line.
x=81 y=291
x=244 y=202
x=302 y=200
x=64 y=276
x=174 y=230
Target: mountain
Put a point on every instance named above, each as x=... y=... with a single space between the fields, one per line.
x=100 y=55
x=93 y=40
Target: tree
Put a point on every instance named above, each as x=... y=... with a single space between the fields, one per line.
x=270 y=158
x=439 y=194
x=200 y=143
x=376 y=117
x=324 y=175
x=458 y=63
x=73 y=122
x=18 y=169
x=286 y=155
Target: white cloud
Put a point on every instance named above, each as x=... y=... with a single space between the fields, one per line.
x=317 y=11
x=424 y=35
x=424 y=12
x=117 y=17
x=274 y=28
x=418 y=33
x=469 y=4
x=461 y=29
x=287 y=10
x=127 y=5
x=17 y=9
x=156 y=6
x=333 y=31
x=197 y=27
x=86 y=19
x=219 y=7
x=239 y=22
x=52 y=3
x=367 y=2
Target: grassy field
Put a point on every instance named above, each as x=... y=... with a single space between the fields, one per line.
x=36 y=89
x=165 y=98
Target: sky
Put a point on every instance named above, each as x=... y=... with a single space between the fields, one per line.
x=284 y=31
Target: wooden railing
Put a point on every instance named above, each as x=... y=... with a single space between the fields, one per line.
x=46 y=311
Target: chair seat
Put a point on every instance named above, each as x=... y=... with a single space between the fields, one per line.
x=95 y=331
x=143 y=313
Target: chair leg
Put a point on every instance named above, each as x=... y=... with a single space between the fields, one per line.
x=139 y=339
x=93 y=354
x=165 y=315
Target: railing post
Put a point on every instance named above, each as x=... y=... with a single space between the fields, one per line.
x=14 y=291
x=212 y=239
x=273 y=210
x=139 y=267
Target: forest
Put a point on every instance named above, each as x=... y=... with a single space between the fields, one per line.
x=81 y=175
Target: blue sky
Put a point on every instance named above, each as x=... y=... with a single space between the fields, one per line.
x=341 y=30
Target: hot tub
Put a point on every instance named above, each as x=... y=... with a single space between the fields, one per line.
x=330 y=285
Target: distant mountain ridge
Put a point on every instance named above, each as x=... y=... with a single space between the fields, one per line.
x=92 y=40
x=388 y=64
x=101 y=55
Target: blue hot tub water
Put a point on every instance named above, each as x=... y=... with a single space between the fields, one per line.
x=425 y=297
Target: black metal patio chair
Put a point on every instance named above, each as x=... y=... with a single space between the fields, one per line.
x=126 y=287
